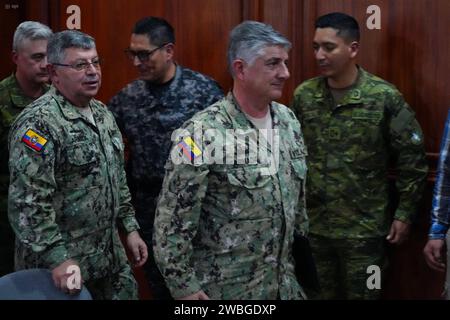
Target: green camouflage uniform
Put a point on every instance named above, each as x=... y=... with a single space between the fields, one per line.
x=69 y=195
x=12 y=102
x=227 y=229
x=351 y=145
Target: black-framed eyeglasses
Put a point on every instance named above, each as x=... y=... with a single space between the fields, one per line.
x=142 y=55
x=82 y=65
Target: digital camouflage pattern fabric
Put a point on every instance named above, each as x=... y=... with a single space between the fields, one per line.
x=12 y=102
x=342 y=268
x=68 y=196
x=147 y=114
x=351 y=146
x=227 y=227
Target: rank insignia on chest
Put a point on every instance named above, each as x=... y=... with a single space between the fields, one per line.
x=34 y=140
x=190 y=148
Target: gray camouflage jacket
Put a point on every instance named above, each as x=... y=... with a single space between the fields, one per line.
x=224 y=225
x=68 y=193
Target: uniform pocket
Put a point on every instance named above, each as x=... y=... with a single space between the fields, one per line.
x=81 y=169
x=82 y=154
x=249 y=194
x=248 y=177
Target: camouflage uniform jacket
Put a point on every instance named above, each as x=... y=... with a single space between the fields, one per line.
x=228 y=229
x=147 y=114
x=68 y=193
x=12 y=102
x=351 y=146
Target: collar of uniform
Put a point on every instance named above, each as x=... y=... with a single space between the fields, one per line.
x=238 y=116
x=17 y=96
x=353 y=96
x=177 y=77
x=171 y=84
x=69 y=110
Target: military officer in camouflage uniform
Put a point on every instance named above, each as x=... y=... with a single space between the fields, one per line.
x=226 y=218
x=27 y=83
x=68 y=194
x=147 y=111
x=355 y=126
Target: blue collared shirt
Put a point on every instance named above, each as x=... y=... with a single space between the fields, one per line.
x=440 y=213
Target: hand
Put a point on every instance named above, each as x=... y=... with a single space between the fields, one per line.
x=61 y=274
x=200 y=295
x=399 y=232
x=433 y=254
x=138 y=248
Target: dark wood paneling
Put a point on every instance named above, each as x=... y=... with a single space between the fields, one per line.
x=279 y=14
x=411 y=50
x=202 y=29
x=37 y=10
x=408 y=275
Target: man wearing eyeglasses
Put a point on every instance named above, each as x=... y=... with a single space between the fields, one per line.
x=147 y=111
x=68 y=194
x=27 y=83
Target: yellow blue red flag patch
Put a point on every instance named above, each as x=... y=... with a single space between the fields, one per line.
x=34 y=140
x=190 y=148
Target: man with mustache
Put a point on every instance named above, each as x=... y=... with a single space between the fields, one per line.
x=147 y=111
x=356 y=125
x=27 y=83
x=227 y=217
x=68 y=194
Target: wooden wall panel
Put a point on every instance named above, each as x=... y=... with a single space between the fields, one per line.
x=412 y=50
x=202 y=29
x=37 y=10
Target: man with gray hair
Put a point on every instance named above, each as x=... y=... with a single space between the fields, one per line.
x=233 y=193
x=27 y=83
x=68 y=194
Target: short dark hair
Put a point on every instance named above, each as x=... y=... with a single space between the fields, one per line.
x=347 y=27
x=158 y=30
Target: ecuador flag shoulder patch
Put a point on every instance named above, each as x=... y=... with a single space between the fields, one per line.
x=34 y=140
x=190 y=148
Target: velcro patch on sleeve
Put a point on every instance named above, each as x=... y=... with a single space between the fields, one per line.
x=34 y=140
